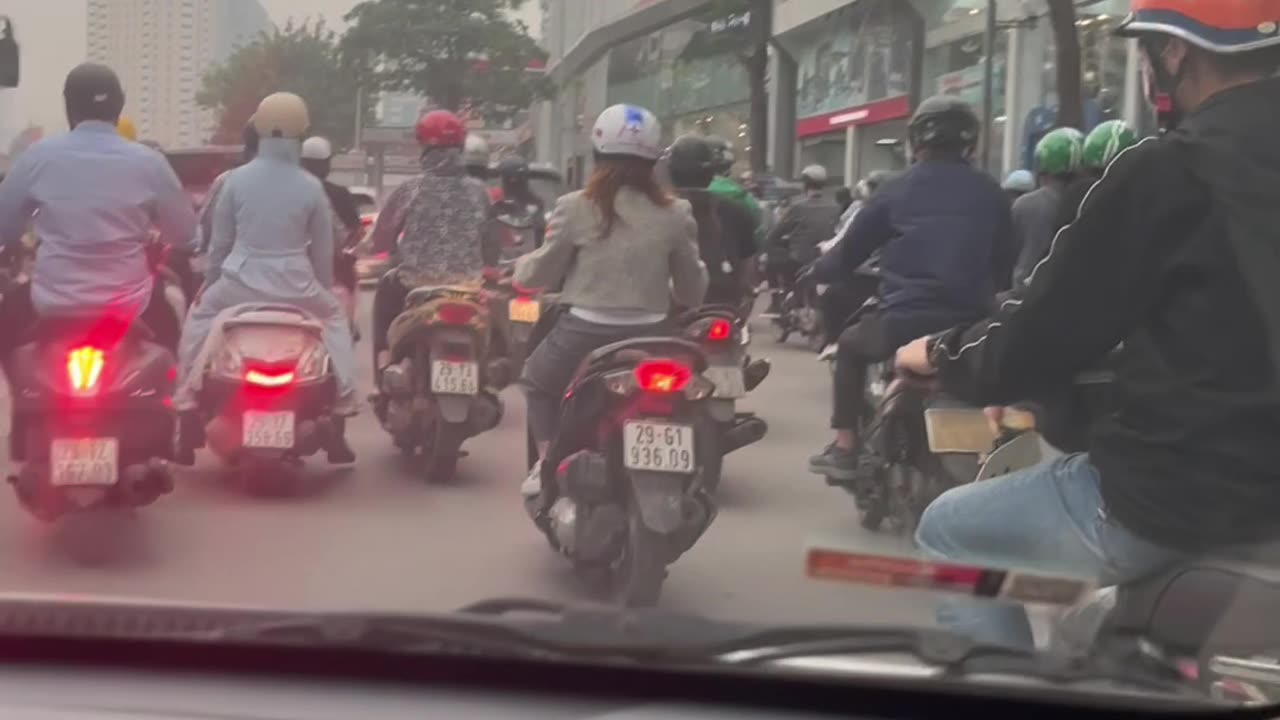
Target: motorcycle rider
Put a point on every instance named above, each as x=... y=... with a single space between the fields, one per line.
x=793 y=243
x=317 y=159
x=1101 y=146
x=94 y=199
x=476 y=158
x=622 y=250
x=1172 y=257
x=846 y=295
x=249 y=138
x=726 y=240
x=726 y=188
x=1035 y=214
x=443 y=217
x=513 y=173
x=946 y=245
x=272 y=241
x=126 y=128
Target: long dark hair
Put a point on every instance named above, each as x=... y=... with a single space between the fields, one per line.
x=614 y=172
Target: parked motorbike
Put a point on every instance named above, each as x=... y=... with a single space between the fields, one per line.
x=268 y=395
x=93 y=421
x=441 y=387
x=724 y=337
x=625 y=489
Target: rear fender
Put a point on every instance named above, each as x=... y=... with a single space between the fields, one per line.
x=660 y=499
x=722 y=410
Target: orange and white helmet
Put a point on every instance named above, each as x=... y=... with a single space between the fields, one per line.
x=1219 y=26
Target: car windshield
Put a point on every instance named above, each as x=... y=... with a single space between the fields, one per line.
x=362 y=390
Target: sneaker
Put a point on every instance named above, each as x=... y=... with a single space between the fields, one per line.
x=532 y=485
x=835 y=463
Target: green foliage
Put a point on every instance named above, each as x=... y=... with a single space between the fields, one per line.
x=302 y=59
x=462 y=54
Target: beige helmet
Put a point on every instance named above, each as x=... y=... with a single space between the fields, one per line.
x=281 y=115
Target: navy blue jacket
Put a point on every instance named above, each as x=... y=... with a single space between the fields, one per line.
x=946 y=241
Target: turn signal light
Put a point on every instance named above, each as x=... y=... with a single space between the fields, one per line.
x=269 y=378
x=456 y=313
x=662 y=376
x=84 y=368
x=720 y=329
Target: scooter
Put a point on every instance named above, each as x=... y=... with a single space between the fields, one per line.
x=725 y=337
x=268 y=396
x=441 y=387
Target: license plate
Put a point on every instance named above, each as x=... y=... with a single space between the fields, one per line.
x=523 y=310
x=84 y=461
x=658 y=447
x=455 y=378
x=269 y=430
x=728 y=381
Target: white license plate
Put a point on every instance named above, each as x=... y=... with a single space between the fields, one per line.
x=658 y=447
x=84 y=461
x=728 y=381
x=455 y=378
x=272 y=430
x=523 y=310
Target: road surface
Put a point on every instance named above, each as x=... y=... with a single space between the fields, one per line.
x=378 y=537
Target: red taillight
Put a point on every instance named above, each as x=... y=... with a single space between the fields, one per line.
x=662 y=376
x=720 y=329
x=268 y=378
x=368 y=220
x=84 y=368
x=456 y=313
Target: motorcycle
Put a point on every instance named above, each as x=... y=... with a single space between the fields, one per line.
x=93 y=420
x=515 y=311
x=724 y=336
x=625 y=491
x=441 y=387
x=801 y=312
x=267 y=398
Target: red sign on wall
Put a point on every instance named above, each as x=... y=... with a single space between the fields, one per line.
x=868 y=114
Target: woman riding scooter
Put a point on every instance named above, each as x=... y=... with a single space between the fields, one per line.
x=620 y=250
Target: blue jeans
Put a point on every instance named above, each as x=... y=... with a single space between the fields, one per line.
x=1046 y=518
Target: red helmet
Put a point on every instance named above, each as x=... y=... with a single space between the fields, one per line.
x=441 y=128
x=1219 y=26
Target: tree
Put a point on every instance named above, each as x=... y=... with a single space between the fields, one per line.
x=1062 y=17
x=461 y=54
x=301 y=59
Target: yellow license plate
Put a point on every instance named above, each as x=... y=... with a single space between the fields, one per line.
x=524 y=310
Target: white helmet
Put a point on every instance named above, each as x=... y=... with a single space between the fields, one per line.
x=815 y=174
x=316 y=148
x=281 y=115
x=627 y=130
x=476 y=151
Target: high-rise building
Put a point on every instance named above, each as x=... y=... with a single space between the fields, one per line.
x=161 y=49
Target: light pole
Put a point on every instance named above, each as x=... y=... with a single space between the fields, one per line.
x=988 y=82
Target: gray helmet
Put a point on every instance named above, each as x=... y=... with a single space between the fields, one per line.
x=944 y=121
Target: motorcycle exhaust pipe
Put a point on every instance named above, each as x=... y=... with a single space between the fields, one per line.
x=143 y=483
x=755 y=372
x=743 y=433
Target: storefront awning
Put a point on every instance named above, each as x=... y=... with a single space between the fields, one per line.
x=635 y=24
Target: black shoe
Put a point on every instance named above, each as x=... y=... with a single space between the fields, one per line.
x=835 y=463
x=338 y=451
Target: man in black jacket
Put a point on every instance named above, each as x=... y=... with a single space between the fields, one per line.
x=1174 y=255
x=946 y=241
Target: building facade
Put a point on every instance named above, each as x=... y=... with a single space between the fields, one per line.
x=161 y=49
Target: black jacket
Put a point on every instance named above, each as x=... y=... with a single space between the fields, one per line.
x=808 y=221
x=726 y=240
x=1175 y=256
x=946 y=243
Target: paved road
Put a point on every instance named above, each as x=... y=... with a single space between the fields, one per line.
x=379 y=537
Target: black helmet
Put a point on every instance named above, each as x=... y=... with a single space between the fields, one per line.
x=944 y=121
x=723 y=151
x=93 y=92
x=692 y=161
x=514 y=170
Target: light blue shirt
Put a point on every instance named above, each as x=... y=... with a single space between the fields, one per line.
x=273 y=227
x=95 y=199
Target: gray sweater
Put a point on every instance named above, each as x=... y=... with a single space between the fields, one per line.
x=650 y=257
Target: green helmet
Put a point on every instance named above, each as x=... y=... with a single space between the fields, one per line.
x=1059 y=152
x=1106 y=141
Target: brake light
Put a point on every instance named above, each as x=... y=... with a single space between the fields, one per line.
x=662 y=376
x=456 y=313
x=269 y=378
x=368 y=220
x=84 y=368
x=720 y=329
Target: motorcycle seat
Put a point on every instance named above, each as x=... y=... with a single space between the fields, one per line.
x=721 y=310
x=1225 y=601
x=280 y=315
x=428 y=293
x=635 y=350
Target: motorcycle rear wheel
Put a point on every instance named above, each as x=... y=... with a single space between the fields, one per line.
x=635 y=578
x=441 y=455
